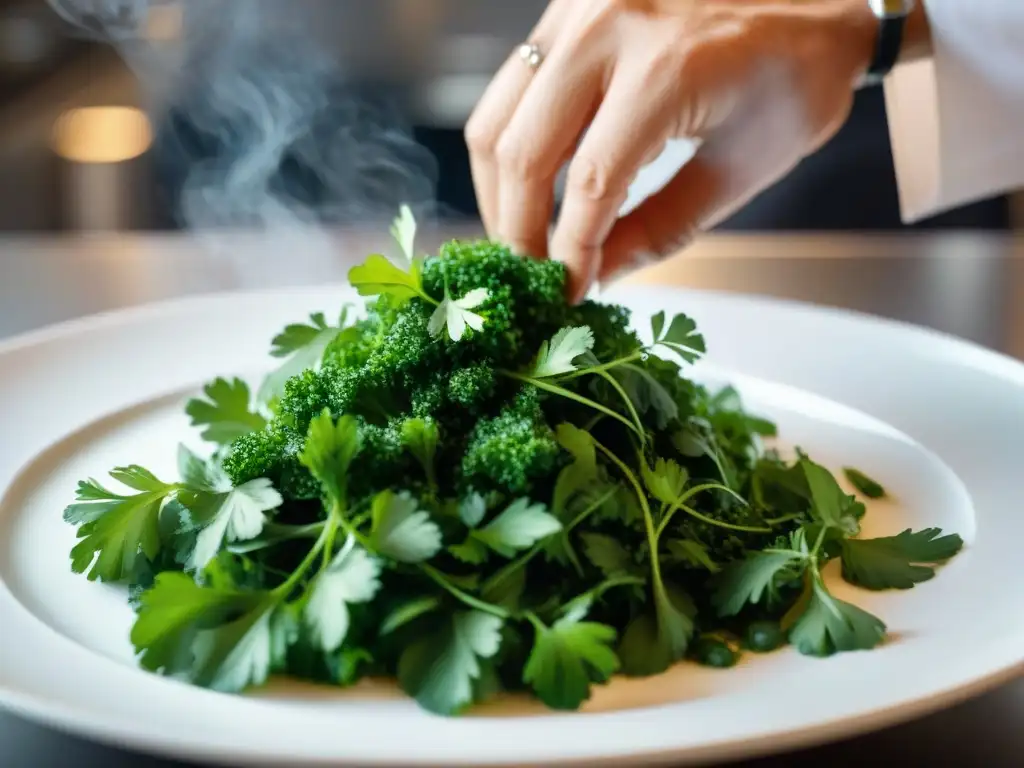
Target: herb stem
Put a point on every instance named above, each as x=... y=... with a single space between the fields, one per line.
x=783 y=519
x=556 y=390
x=629 y=404
x=602 y=367
x=469 y=600
x=680 y=504
x=311 y=556
x=652 y=537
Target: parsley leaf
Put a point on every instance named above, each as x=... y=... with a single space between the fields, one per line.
x=692 y=552
x=556 y=357
x=829 y=504
x=568 y=657
x=647 y=393
x=582 y=472
x=403 y=531
x=666 y=481
x=827 y=625
x=225 y=413
x=897 y=562
x=329 y=450
x=118 y=533
x=420 y=437
x=304 y=347
x=403 y=230
x=607 y=554
x=352 y=577
x=751 y=579
x=456 y=315
x=377 y=276
x=408 y=612
x=472 y=510
x=864 y=484
x=219 y=638
x=519 y=527
x=440 y=669
x=234 y=515
x=681 y=336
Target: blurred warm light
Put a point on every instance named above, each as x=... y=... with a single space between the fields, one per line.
x=102 y=134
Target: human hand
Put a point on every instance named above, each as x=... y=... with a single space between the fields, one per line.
x=759 y=84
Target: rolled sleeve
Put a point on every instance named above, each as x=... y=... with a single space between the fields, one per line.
x=956 y=121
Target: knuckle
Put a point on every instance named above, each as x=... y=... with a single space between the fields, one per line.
x=515 y=158
x=590 y=179
x=480 y=138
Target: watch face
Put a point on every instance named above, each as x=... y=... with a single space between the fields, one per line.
x=887 y=9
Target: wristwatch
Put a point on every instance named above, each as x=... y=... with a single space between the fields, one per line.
x=892 y=18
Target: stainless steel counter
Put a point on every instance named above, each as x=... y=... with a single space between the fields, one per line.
x=970 y=286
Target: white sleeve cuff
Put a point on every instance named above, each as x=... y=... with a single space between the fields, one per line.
x=956 y=122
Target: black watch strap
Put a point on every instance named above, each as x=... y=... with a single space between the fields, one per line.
x=887 y=47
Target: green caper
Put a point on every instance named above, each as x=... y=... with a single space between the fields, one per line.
x=712 y=652
x=764 y=636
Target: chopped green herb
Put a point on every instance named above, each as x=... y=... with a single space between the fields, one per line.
x=479 y=487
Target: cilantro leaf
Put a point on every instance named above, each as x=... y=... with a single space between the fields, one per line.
x=219 y=638
x=235 y=515
x=568 y=657
x=403 y=230
x=518 y=527
x=225 y=413
x=304 y=347
x=420 y=437
x=556 y=357
x=329 y=450
x=456 y=315
x=403 y=531
x=352 y=577
x=864 y=484
x=897 y=562
x=666 y=481
x=827 y=625
x=681 y=336
x=440 y=669
x=377 y=276
x=751 y=579
x=118 y=533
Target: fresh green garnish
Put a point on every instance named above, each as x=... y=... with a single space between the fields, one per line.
x=224 y=414
x=864 y=484
x=477 y=487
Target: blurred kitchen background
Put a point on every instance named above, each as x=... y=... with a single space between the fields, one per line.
x=234 y=111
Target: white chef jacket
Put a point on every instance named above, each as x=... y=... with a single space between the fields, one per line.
x=956 y=120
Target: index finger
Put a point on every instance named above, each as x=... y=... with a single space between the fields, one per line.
x=624 y=133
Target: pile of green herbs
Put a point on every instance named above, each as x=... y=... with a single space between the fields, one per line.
x=477 y=488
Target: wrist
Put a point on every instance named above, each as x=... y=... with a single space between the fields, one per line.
x=877 y=38
x=917 y=37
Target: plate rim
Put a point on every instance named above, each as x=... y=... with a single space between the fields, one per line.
x=70 y=718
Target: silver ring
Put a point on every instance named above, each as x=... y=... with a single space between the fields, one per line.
x=531 y=54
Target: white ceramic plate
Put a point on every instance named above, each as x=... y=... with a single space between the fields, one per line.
x=941 y=422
